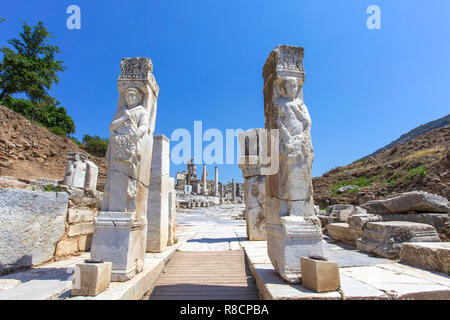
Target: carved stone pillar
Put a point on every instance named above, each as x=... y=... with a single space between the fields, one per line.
x=76 y=167
x=121 y=227
x=253 y=148
x=292 y=231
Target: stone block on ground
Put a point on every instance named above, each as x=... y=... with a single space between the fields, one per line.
x=320 y=276
x=31 y=223
x=358 y=221
x=342 y=212
x=409 y=202
x=342 y=232
x=385 y=238
x=428 y=255
x=441 y=221
x=90 y=279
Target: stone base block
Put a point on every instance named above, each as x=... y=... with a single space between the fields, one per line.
x=320 y=276
x=385 y=238
x=287 y=242
x=428 y=255
x=119 y=238
x=90 y=279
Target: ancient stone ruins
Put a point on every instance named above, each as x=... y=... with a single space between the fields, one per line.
x=127 y=229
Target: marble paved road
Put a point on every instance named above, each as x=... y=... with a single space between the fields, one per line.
x=210 y=266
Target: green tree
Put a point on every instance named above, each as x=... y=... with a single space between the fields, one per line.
x=32 y=67
x=95 y=145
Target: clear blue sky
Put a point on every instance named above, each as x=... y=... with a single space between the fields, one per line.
x=364 y=88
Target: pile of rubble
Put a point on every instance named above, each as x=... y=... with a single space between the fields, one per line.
x=381 y=227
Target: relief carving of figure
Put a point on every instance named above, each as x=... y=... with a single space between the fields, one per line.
x=126 y=132
x=294 y=121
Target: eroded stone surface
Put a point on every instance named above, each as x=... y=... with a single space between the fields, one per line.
x=428 y=255
x=31 y=223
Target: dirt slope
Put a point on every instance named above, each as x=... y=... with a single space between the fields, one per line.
x=422 y=163
x=29 y=151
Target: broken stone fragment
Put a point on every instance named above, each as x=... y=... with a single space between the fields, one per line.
x=342 y=212
x=408 y=202
x=385 y=238
x=347 y=188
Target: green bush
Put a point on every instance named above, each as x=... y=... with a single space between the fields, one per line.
x=58 y=131
x=95 y=145
x=48 y=114
x=51 y=188
x=76 y=141
x=420 y=170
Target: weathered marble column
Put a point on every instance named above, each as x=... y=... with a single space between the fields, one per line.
x=292 y=231
x=75 y=174
x=158 y=196
x=221 y=193
x=252 y=146
x=120 y=228
x=204 y=181
x=216 y=181
x=172 y=211
x=233 y=191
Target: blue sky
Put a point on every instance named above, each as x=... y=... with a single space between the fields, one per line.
x=364 y=88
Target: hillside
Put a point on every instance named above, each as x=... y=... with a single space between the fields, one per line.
x=422 y=163
x=29 y=151
x=414 y=133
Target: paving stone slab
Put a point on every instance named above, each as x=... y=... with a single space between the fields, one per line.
x=356 y=290
x=398 y=285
